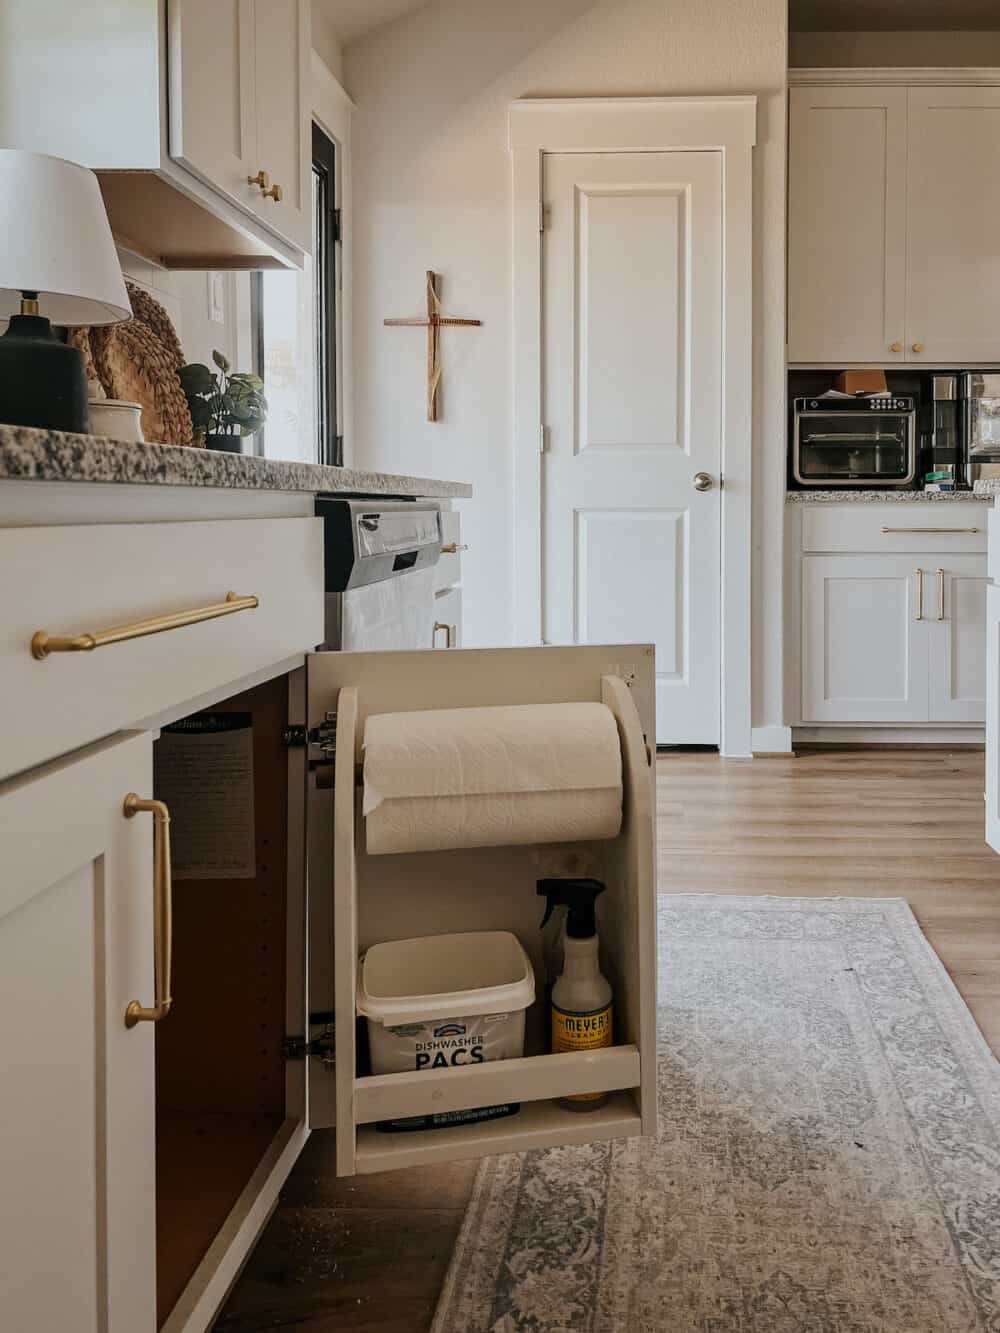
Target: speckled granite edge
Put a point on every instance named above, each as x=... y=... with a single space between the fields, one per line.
x=864 y=496
x=30 y=454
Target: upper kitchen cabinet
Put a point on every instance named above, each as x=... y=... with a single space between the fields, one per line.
x=952 y=242
x=846 y=224
x=193 y=115
x=236 y=97
x=892 y=191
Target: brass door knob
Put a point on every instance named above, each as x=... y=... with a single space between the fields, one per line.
x=702 y=481
x=895 y=347
x=275 y=192
x=918 y=347
x=262 y=179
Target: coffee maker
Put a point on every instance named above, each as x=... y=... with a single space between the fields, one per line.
x=980 y=404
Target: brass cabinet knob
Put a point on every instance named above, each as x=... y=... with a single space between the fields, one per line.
x=918 y=347
x=262 y=179
x=895 y=347
x=275 y=192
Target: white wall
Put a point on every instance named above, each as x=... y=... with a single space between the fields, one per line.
x=432 y=191
x=863 y=49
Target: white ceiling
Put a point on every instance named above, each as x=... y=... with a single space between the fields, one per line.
x=351 y=19
x=892 y=15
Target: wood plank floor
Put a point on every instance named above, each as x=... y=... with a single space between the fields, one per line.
x=369 y=1255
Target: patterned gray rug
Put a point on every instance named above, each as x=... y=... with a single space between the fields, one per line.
x=828 y=1158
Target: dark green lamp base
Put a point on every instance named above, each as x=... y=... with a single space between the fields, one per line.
x=43 y=382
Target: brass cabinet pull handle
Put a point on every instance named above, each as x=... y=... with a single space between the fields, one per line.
x=449 y=633
x=940 y=574
x=262 y=179
x=163 y=911
x=42 y=643
x=453 y=548
x=920 y=595
x=275 y=192
x=932 y=530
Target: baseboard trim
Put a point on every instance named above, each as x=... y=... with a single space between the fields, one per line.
x=949 y=737
x=771 y=742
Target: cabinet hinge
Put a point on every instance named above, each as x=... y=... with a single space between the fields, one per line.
x=321 y=741
x=322 y=1047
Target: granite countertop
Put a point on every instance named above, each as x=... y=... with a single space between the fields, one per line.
x=30 y=454
x=862 y=495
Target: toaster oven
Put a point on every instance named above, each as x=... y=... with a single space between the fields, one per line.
x=863 y=440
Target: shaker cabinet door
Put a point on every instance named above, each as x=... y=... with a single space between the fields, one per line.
x=283 y=144
x=77 y=1209
x=864 y=646
x=957 y=607
x=953 y=200
x=847 y=224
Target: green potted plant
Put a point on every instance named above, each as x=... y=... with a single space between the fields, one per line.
x=224 y=406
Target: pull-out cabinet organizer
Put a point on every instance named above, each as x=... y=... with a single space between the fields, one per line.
x=377 y=898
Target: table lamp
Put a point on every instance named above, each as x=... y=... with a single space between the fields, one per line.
x=58 y=265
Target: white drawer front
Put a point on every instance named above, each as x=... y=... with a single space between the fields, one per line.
x=448 y=570
x=895 y=528
x=71 y=581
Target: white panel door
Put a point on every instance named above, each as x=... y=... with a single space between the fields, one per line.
x=632 y=391
x=77 y=1207
x=846 y=224
x=864 y=639
x=957 y=607
x=953 y=201
x=212 y=93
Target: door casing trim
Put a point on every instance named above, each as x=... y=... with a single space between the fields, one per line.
x=726 y=125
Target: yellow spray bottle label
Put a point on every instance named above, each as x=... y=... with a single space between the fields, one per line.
x=581 y=1032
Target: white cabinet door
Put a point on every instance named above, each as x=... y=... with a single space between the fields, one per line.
x=77 y=1223
x=956 y=605
x=448 y=619
x=953 y=201
x=993 y=717
x=847 y=224
x=632 y=284
x=212 y=120
x=284 y=150
x=864 y=646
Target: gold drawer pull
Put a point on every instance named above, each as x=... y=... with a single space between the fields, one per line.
x=449 y=633
x=920 y=595
x=163 y=911
x=42 y=643
x=933 y=530
x=453 y=548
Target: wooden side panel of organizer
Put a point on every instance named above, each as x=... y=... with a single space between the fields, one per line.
x=345 y=927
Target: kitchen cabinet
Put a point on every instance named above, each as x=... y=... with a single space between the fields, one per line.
x=174 y=104
x=892 y=614
x=77 y=1225
x=847 y=224
x=237 y=89
x=891 y=191
x=992 y=793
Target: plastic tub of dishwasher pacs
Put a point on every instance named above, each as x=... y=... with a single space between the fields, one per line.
x=441 y=1002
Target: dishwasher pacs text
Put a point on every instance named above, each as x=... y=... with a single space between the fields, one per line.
x=446 y=1045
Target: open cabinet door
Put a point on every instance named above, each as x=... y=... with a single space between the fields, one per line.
x=356 y=900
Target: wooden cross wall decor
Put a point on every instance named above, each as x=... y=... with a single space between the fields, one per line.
x=433 y=322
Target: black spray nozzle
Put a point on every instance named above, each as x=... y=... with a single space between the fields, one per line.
x=579 y=896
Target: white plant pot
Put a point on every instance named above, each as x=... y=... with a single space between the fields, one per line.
x=116 y=418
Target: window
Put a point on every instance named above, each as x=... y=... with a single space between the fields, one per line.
x=295 y=323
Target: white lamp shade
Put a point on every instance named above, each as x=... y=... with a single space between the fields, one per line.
x=56 y=241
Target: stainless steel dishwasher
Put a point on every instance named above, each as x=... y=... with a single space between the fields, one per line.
x=379 y=573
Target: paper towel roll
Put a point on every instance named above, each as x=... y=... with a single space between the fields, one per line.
x=491 y=777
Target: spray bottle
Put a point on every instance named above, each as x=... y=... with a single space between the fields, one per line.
x=581 y=996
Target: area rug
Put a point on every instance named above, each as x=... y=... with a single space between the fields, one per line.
x=828 y=1159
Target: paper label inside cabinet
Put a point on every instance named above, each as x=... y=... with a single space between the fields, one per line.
x=203 y=770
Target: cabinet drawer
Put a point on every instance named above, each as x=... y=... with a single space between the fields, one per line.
x=448 y=570
x=895 y=528
x=448 y=619
x=79 y=581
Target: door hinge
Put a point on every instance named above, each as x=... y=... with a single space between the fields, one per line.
x=322 y=1047
x=321 y=741
x=543 y=438
x=544 y=216
x=338 y=227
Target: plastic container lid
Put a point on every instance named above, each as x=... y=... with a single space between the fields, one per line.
x=445 y=976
